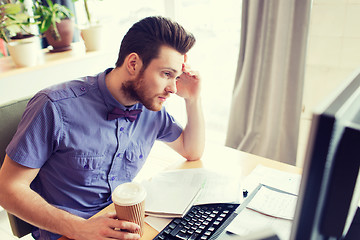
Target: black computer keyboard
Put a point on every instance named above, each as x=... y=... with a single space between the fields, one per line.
x=205 y=221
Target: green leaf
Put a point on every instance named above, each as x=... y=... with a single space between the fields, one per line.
x=12 y=8
x=13 y=29
x=50 y=3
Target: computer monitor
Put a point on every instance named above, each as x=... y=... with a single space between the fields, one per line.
x=330 y=185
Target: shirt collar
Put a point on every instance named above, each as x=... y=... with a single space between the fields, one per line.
x=109 y=100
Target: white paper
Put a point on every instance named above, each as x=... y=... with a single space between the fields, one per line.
x=248 y=222
x=216 y=188
x=288 y=182
x=219 y=188
x=274 y=203
x=172 y=193
x=158 y=223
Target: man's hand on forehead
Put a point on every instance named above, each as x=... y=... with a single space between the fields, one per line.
x=188 y=83
x=186 y=69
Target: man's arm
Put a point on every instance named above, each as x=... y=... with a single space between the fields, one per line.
x=19 y=199
x=191 y=142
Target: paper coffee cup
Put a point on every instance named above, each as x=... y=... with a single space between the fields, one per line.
x=129 y=201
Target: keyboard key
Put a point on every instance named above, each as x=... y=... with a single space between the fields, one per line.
x=182 y=235
x=162 y=237
x=194 y=236
x=198 y=231
x=216 y=223
x=172 y=225
x=176 y=230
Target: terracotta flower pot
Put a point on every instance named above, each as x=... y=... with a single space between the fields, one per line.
x=66 y=31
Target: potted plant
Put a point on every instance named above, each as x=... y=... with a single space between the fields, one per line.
x=22 y=44
x=55 y=23
x=92 y=31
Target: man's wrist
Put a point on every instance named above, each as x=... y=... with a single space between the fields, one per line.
x=193 y=100
x=72 y=226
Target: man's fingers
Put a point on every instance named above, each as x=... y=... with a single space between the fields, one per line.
x=186 y=68
x=124 y=225
x=111 y=215
x=120 y=229
x=187 y=71
x=121 y=224
x=117 y=234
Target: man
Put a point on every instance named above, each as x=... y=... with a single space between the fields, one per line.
x=79 y=140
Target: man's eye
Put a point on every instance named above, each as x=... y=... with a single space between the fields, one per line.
x=167 y=74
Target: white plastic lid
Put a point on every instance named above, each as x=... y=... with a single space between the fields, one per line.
x=128 y=194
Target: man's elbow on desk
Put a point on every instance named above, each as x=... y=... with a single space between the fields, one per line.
x=194 y=155
x=194 y=152
x=190 y=151
x=191 y=155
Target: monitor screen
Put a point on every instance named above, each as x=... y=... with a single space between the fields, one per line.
x=330 y=185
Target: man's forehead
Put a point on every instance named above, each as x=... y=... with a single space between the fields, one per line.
x=170 y=58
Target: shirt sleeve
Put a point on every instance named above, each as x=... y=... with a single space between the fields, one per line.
x=38 y=133
x=170 y=129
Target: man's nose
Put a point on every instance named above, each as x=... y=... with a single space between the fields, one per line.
x=171 y=88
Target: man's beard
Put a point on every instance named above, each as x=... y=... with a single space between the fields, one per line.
x=135 y=90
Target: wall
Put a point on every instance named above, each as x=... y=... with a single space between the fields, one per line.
x=333 y=54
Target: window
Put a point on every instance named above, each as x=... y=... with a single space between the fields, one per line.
x=216 y=26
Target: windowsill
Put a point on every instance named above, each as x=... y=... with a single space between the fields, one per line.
x=46 y=59
x=52 y=68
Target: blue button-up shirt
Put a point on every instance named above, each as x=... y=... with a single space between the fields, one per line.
x=81 y=155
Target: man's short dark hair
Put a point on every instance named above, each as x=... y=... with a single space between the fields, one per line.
x=147 y=36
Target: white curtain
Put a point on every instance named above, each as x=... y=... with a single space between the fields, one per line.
x=267 y=95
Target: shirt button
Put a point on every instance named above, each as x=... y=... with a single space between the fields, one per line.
x=113 y=178
x=118 y=155
x=121 y=129
x=141 y=156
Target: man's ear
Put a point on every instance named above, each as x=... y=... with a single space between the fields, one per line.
x=133 y=63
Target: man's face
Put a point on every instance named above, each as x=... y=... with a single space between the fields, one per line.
x=154 y=85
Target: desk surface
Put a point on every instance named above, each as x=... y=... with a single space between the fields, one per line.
x=217 y=158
